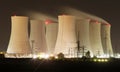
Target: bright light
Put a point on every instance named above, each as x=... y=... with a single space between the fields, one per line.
x=100 y=60
x=106 y=60
x=1 y=52
x=56 y=57
x=103 y=56
x=95 y=60
x=51 y=55
x=117 y=55
x=43 y=56
x=34 y=56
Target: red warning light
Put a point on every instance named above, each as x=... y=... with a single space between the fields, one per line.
x=107 y=24
x=48 y=21
x=97 y=22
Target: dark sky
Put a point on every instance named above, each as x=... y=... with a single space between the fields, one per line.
x=106 y=9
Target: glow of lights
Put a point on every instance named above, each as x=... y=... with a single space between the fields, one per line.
x=1 y=52
x=100 y=60
x=97 y=22
x=48 y=21
x=43 y=56
x=95 y=60
x=103 y=60
x=103 y=56
x=117 y=55
x=56 y=57
x=34 y=56
x=51 y=55
x=106 y=60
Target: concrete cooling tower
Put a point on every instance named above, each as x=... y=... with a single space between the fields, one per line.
x=37 y=37
x=66 y=39
x=106 y=40
x=95 y=38
x=19 y=42
x=51 y=36
x=82 y=26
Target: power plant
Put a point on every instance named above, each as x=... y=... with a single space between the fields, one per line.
x=19 y=45
x=82 y=32
x=51 y=36
x=66 y=39
x=106 y=39
x=72 y=36
x=37 y=37
x=95 y=38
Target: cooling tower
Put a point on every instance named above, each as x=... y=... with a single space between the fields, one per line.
x=51 y=36
x=66 y=39
x=37 y=36
x=106 y=39
x=19 y=42
x=82 y=26
x=95 y=38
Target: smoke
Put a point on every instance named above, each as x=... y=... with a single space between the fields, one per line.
x=39 y=16
x=64 y=10
x=80 y=14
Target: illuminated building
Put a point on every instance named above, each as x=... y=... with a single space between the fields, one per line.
x=106 y=41
x=95 y=38
x=51 y=36
x=82 y=26
x=37 y=37
x=19 y=42
x=66 y=39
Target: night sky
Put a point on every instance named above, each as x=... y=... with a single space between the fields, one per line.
x=106 y=9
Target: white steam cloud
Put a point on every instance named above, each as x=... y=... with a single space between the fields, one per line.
x=39 y=16
x=80 y=14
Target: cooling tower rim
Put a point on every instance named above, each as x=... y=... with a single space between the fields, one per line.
x=66 y=15
x=20 y=16
x=92 y=20
x=98 y=22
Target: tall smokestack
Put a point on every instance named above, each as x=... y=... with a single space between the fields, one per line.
x=106 y=39
x=66 y=39
x=19 y=42
x=37 y=36
x=95 y=38
x=82 y=26
x=51 y=36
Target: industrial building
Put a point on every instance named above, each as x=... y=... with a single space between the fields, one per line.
x=19 y=45
x=106 y=39
x=95 y=38
x=66 y=39
x=73 y=36
x=89 y=33
x=51 y=36
x=37 y=37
